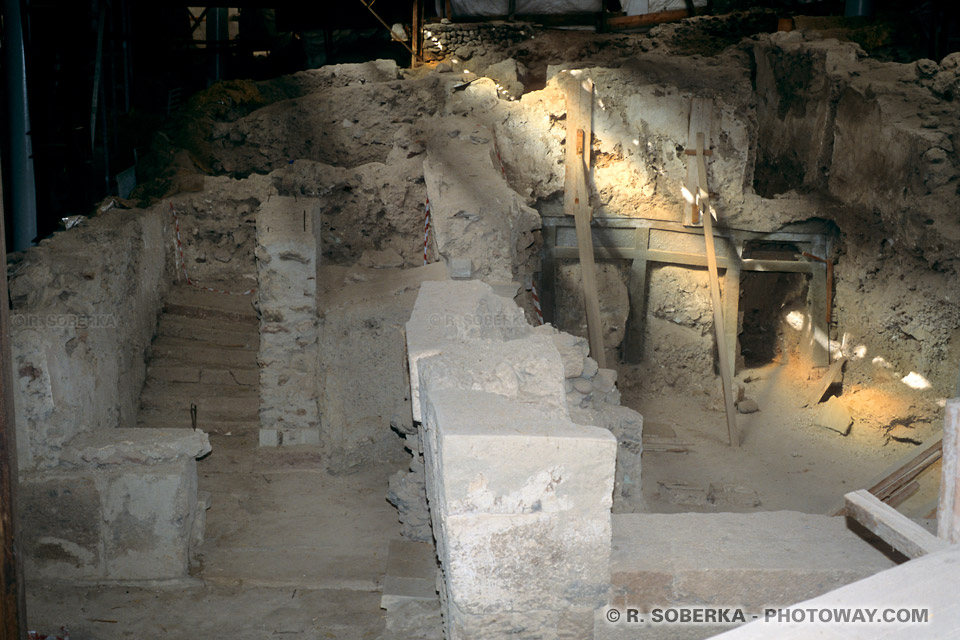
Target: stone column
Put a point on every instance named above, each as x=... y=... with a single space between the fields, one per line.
x=288 y=358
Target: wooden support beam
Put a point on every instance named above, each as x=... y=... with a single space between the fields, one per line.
x=646 y=20
x=637 y=289
x=13 y=608
x=948 y=509
x=684 y=258
x=548 y=274
x=731 y=314
x=701 y=112
x=718 y=325
x=892 y=480
x=894 y=528
x=825 y=383
x=576 y=201
x=416 y=38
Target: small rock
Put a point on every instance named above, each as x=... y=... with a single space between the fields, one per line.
x=833 y=415
x=568 y=385
x=582 y=385
x=590 y=367
x=748 y=406
x=464 y=52
x=605 y=380
x=444 y=67
x=927 y=68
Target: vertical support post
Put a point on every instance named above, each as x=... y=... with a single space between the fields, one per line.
x=731 y=312
x=637 y=290
x=218 y=35
x=548 y=273
x=576 y=202
x=948 y=508
x=819 y=336
x=13 y=607
x=700 y=115
x=416 y=38
x=511 y=10
x=718 y=324
x=22 y=183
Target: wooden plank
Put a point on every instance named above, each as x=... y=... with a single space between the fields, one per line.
x=948 y=509
x=417 y=35
x=548 y=274
x=701 y=110
x=819 y=333
x=13 y=608
x=902 y=494
x=646 y=20
x=633 y=345
x=683 y=258
x=891 y=479
x=731 y=314
x=579 y=98
x=896 y=529
x=719 y=327
x=825 y=383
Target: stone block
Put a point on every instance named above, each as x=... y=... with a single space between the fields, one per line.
x=460 y=268
x=269 y=437
x=735 y=559
x=449 y=313
x=61 y=525
x=528 y=368
x=148 y=520
x=512 y=485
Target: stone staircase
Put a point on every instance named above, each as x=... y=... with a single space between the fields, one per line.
x=204 y=355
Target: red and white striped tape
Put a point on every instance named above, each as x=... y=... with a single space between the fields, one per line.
x=536 y=301
x=426 y=231
x=183 y=263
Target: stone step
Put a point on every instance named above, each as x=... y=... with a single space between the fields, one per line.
x=216 y=332
x=411 y=574
x=191 y=302
x=240 y=409
x=245 y=377
x=180 y=419
x=157 y=390
x=167 y=355
x=752 y=560
x=239 y=346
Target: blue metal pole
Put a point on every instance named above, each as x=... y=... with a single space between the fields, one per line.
x=23 y=188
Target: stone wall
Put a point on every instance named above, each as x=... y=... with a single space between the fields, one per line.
x=519 y=494
x=466 y=40
x=84 y=310
x=99 y=500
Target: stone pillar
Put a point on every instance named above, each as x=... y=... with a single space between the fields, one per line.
x=519 y=494
x=287 y=274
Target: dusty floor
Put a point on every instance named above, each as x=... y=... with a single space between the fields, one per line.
x=785 y=462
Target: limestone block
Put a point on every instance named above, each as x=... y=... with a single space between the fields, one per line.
x=61 y=525
x=528 y=368
x=456 y=312
x=520 y=497
x=148 y=520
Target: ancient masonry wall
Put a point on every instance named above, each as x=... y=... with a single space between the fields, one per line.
x=287 y=273
x=99 y=500
x=519 y=494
